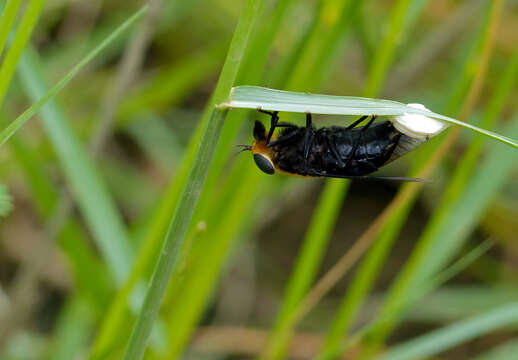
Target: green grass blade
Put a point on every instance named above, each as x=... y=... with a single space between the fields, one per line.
x=323 y=45
x=94 y=201
x=161 y=145
x=158 y=227
x=88 y=269
x=321 y=48
x=420 y=258
x=172 y=84
x=118 y=316
x=194 y=283
x=254 y=97
x=420 y=292
x=189 y=197
x=360 y=289
x=462 y=78
x=73 y=329
x=455 y=302
x=361 y=285
x=174 y=240
x=30 y=162
x=306 y=267
x=23 y=33
x=206 y=267
x=449 y=336
x=335 y=191
x=239 y=197
x=465 y=167
x=373 y=261
x=476 y=196
x=263 y=41
x=280 y=75
x=6 y=21
x=218 y=280
x=169 y=86
x=385 y=52
x=5 y=201
x=51 y=93
x=255 y=63
x=486 y=182
x=160 y=220
x=245 y=191
x=414 y=12
x=65 y=53
x=501 y=352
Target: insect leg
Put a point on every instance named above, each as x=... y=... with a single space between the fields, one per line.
x=308 y=139
x=369 y=123
x=283 y=140
x=285 y=125
x=308 y=120
x=308 y=144
x=357 y=122
x=360 y=139
x=271 y=113
x=334 y=152
x=273 y=125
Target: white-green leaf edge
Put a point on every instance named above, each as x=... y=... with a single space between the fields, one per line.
x=256 y=97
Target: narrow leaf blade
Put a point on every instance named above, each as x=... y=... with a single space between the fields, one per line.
x=256 y=97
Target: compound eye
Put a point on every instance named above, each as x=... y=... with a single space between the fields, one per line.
x=264 y=163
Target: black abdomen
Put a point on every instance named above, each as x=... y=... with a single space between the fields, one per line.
x=337 y=150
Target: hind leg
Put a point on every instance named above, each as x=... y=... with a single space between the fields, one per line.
x=360 y=141
x=369 y=123
x=357 y=122
x=360 y=120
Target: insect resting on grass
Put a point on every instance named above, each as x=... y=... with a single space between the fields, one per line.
x=350 y=152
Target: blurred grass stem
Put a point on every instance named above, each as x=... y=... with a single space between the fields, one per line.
x=35 y=107
x=332 y=196
x=23 y=290
x=403 y=200
x=210 y=339
x=187 y=202
x=432 y=46
x=23 y=34
x=6 y=20
x=410 y=272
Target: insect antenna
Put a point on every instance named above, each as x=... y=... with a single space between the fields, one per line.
x=244 y=148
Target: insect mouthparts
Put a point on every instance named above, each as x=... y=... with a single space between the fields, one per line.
x=244 y=148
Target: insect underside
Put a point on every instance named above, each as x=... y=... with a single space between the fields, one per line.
x=342 y=152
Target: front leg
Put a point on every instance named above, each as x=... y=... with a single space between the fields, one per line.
x=273 y=123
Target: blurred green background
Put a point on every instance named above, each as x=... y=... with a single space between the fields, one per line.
x=89 y=186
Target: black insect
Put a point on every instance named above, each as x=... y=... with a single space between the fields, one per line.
x=340 y=152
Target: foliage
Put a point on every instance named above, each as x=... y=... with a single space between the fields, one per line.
x=253 y=265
